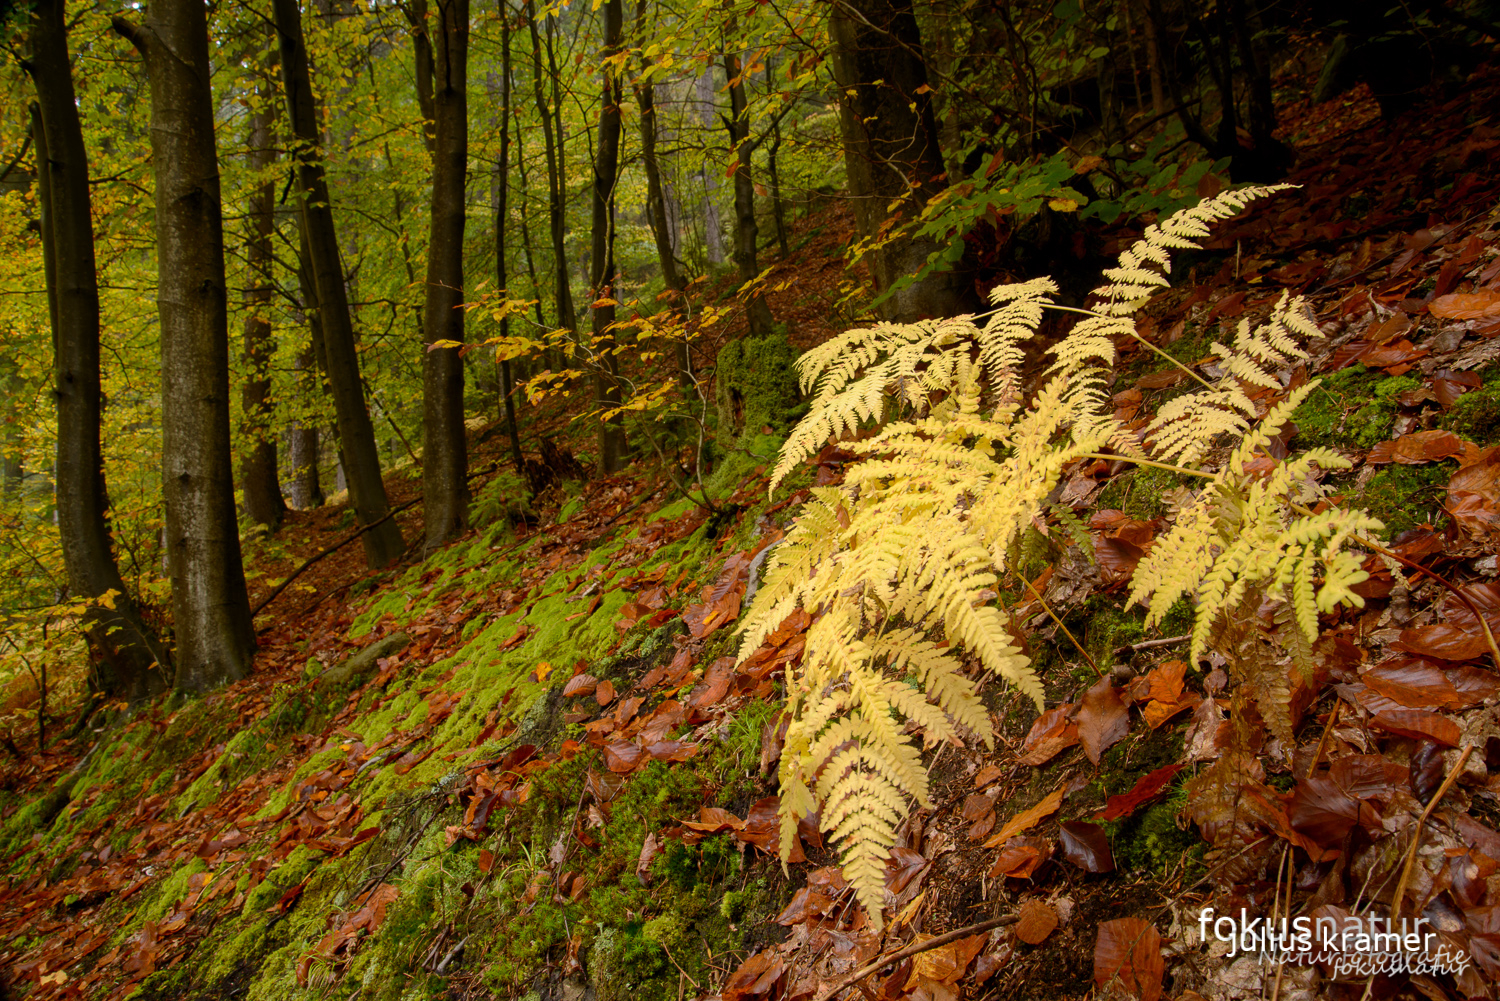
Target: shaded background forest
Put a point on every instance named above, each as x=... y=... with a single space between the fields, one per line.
x=433 y=217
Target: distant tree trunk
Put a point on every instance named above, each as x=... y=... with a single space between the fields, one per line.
x=556 y=183
x=531 y=275
x=891 y=149
x=259 y=479
x=445 y=462
x=502 y=215
x=1153 y=65
x=661 y=222
x=382 y=543
x=713 y=229
x=130 y=660
x=421 y=44
x=778 y=208
x=612 y=445
x=303 y=448
x=210 y=609
x=746 y=232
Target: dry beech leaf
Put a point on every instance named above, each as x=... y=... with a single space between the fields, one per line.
x=1035 y=921
x=604 y=692
x=1020 y=857
x=1050 y=735
x=580 y=684
x=1427 y=770
x=1481 y=305
x=756 y=977
x=1103 y=719
x=1027 y=819
x=1128 y=953
x=1417 y=448
x=986 y=775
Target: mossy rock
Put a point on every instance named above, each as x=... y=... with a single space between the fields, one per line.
x=756 y=385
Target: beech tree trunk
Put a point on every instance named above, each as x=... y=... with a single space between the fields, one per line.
x=445 y=464
x=556 y=185
x=210 y=609
x=661 y=220
x=891 y=148
x=612 y=444
x=746 y=232
x=502 y=212
x=130 y=661
x=382 y=543
x=259 y=478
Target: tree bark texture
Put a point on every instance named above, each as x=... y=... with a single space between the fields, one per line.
x=612 y=445
x=259 y=478
x=891 y=151
x=421 y=44
x=382 y=543
x=445 y=467
x=131 y=661
x=746 y=232
x=210 y=609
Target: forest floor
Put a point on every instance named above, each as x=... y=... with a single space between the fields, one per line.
x=530 y=764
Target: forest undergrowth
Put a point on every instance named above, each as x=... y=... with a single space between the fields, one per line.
x=529 y=765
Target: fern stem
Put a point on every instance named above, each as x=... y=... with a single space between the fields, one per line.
x=1066 y=632
x=1149 y=462
x=1098 y=315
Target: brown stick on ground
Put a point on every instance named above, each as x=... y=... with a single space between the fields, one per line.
x=911 y=950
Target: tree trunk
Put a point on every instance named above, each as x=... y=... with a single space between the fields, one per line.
x=382 y=543
x=259 y=479
x=131 y=661
x=713 y=229
x=210 y=609
x=612 y=445
x=556 y=184
x=661 y=222
x=502 y=211
x=890 y=148
x=421 y=44
x=445 y=463
x=746 y=232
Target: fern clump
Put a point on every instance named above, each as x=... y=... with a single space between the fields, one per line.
x=900 y=565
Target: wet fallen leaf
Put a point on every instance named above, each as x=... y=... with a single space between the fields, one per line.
x=986 y=775
x=622 y=756
x=1427 y=771
x=1086 y=846
x=604 y=693
x=1035 y=921
x=1419 y=725
x=805 y=904
x=1127 y=952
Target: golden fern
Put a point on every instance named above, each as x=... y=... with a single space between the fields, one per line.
x=899 y=566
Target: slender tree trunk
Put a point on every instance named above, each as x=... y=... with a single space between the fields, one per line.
x=1153 y=64
x=259 y=479
x=130 y=660
x=210 y=609
x=502 y=214
x=778 y=209
x=421 y=44
x=890 y=148
x=556 y=184
x=531 y=275
x=713 y=230
x=746 y=232
x=445 y=463
x=612 y=445
x=382 y=543
x=661 y=223
x=305 y=449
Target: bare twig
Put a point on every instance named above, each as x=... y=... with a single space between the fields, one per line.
x=1416 y=837
x=911 y=950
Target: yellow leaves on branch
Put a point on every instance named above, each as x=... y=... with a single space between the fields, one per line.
x=900 y=566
